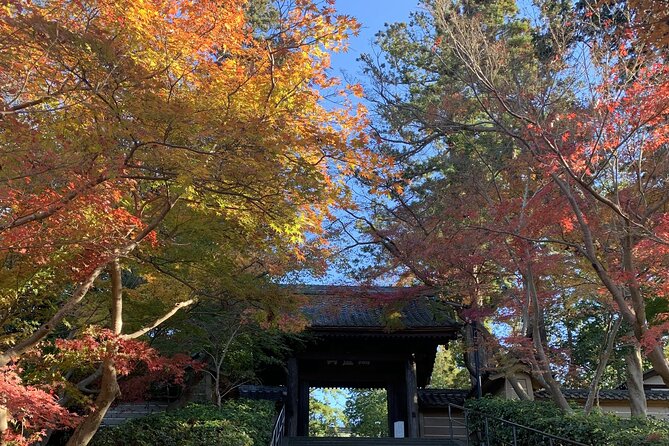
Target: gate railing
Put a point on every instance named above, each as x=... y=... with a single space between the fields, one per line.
x=279 y=426
x=495 y=431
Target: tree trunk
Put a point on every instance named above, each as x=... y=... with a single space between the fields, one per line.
x=544 y=365
x=116 y=297
x=601 y=366
x=468 y=341
x=635 y=316
x=109 y=388
x=36 y=337
x=28 y=343
x=554 y=389
x=659 y=362
x=471 y=346
x=635 y=382
x=656 y=356
x=217 y=387
x=572 y=372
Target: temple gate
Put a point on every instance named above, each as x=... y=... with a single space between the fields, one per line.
x=379 y=337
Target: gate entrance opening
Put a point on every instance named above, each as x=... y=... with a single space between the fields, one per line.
x=335 y=412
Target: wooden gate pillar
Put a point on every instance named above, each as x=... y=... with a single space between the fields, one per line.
x=412 y=399
x=303 y=408
x=292 y=390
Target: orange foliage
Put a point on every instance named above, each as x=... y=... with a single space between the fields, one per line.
x=138 y=100
x=114 y=111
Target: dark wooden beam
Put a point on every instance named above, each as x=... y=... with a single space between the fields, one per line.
x=378 y=355
x=393 y=414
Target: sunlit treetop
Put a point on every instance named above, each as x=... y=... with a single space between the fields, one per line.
x=114 y=109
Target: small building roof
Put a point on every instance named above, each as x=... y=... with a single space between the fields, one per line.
x=605 y=394
x=441 y=398
x=258 y=392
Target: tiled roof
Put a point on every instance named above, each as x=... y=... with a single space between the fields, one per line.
x=614 y=394
x=272 y=393
x=439 y=398
x=389 y=308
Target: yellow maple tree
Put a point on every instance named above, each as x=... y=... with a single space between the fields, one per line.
x=115 y=112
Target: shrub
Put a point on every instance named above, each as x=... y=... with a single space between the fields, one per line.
x=598 y=429
x=236 y=423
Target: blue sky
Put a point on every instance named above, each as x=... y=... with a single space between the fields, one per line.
x=371 y=14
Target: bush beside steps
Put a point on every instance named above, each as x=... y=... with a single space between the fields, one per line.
x=236 y=423
x=596 y=429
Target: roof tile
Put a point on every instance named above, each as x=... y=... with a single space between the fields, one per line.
x=439 y=398
x=375 y=307
x=606 y=394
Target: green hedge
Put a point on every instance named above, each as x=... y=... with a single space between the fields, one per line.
x=597 y=429
x=237 y=423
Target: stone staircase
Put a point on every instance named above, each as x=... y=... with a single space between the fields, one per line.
x=358 y=441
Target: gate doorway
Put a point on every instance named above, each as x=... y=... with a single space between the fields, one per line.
x=348 y=412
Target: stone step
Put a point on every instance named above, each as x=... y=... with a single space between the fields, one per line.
x=358 y=441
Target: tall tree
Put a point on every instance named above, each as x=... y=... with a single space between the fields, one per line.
x=594 y=128
x=367 y=412
x=536 y=170
x=455 y=185
x=326 y=418
x=114 y=115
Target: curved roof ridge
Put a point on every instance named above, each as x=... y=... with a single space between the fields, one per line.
x=375 y=308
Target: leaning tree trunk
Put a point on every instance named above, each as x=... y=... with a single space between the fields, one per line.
x=634 y=315
x=639 y=320
x=544 y=364
x=475 y=344
x=522 y=395
x=601 y=365
x=109 y=389
x=469 y=347
x=31 y=341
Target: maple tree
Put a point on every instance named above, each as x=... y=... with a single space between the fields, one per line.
x=115 y=116
x=129 y=355
x=648 y=18
x=535 y=176
x=34 y=409
x=456 y=220
x=596 y=155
